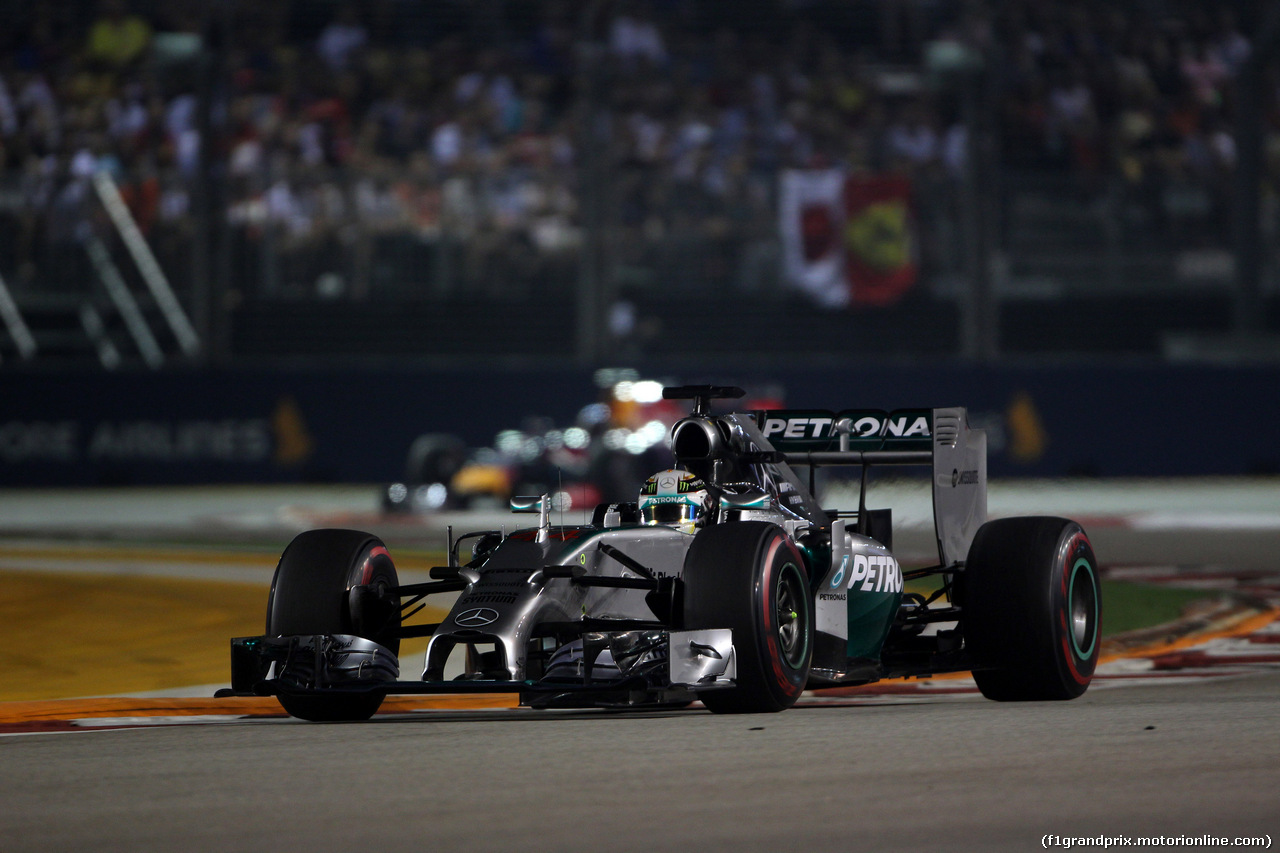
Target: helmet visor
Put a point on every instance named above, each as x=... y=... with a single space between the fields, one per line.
x=669 y=513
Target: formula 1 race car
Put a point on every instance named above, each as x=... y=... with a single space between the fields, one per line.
x=726 y=582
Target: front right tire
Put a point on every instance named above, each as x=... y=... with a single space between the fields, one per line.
x=310 y=595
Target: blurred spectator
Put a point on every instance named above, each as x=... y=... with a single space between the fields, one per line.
x=118 y=38
x=634 y=38
x=342 y=38
x=911 y=140
x=475 y=129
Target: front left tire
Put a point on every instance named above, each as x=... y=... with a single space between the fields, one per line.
x=749 y=577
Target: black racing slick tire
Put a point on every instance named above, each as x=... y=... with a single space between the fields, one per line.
x=1031 y=606
x=749 y=577
x=309 y=595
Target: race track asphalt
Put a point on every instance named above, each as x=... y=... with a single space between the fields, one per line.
x=957 y=774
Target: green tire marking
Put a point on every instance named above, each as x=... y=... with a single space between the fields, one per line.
x=1071 y=591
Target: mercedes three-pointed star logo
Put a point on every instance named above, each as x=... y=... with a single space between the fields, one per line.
x=475 y=617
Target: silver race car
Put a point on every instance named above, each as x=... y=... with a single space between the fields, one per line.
x=725 y=582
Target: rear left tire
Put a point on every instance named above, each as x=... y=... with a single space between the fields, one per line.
x=1031 y=607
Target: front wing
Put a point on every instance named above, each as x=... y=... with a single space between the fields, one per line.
x=318 y=664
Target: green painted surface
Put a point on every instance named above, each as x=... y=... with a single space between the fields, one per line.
x=870 y=617
x=1129 y=606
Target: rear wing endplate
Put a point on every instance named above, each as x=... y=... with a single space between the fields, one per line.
x=939 y=438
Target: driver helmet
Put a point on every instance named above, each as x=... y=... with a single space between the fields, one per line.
x=674 y=497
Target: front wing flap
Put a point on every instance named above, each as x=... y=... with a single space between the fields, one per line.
x=310 y=662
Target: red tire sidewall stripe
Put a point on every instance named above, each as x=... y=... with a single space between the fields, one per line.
x=789 y=687
x=366 y=570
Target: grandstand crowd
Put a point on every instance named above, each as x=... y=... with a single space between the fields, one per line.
x=502 y=125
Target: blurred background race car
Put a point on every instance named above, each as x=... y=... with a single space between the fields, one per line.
x=597 y=458
x=613 y=444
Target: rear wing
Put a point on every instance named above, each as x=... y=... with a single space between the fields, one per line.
x=940 y=438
